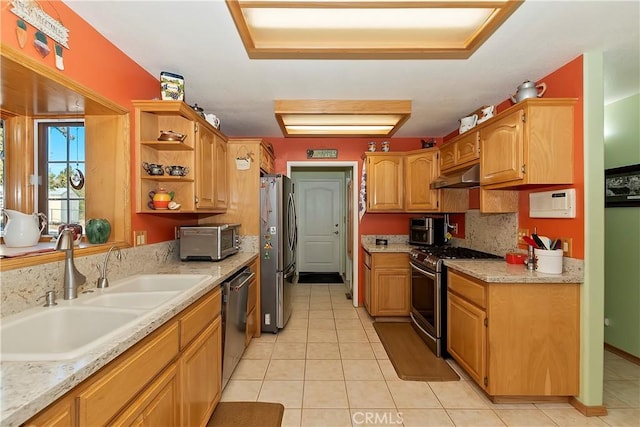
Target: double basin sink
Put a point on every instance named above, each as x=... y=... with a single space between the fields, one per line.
x=73 y=328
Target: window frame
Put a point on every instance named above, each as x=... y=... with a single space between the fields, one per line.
x=42 y=161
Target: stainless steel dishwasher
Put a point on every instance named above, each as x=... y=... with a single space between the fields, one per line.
x=234 y=320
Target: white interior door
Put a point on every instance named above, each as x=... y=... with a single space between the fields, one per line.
x=319 y=224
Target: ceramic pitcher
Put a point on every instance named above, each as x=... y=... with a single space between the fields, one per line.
x=22 y=230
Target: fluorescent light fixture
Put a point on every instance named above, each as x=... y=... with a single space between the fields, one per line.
x=377 y=29
x=341 y=117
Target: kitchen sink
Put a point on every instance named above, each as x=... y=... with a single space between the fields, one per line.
x=73 y=328
x=134 y=300
x=158 y=283
x=59 y=333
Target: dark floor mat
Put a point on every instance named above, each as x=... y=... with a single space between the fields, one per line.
x=410 y=356
x=319 y=278
x=247 y=414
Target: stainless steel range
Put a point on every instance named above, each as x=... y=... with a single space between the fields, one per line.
x=429 y=291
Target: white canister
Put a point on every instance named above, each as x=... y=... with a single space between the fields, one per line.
x=372 y=146
x=549 y=261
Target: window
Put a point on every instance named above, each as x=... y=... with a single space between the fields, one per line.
x=61 y=166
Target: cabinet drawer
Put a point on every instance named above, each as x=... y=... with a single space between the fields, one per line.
x=198 y=317
x=158 y=405
x=394 y=260
x=112 y=389
x=468 y=289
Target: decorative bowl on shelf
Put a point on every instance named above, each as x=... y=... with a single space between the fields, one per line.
x=169 y=135
x=98 y=230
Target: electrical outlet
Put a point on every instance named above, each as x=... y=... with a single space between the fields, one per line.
x=567 y=246
x=139 y=237
x=455 y=228
x=521 y=233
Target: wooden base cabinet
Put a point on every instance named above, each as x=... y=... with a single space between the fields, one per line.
x=159 y=405
x=516 y=340
x=387 y=284
x=172 y=377
x=253 y=312
x=201 y=376
x=61 y=413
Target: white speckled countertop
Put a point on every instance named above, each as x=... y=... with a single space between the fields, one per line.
x=28 y=387
x=499 y=271
x=496 y=271
x=391 y=247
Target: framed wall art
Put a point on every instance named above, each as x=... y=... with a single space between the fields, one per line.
x=622 y=186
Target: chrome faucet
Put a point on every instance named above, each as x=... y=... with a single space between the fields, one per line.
x=103 y=282
x=72 y=277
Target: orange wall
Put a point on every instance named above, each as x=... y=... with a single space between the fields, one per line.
x=565 y=82
x=97 y=64
x=295 y=149
x=349 y=149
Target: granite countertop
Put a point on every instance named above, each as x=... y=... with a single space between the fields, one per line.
x=499 y=271
x=30 y=386
x=391 y=247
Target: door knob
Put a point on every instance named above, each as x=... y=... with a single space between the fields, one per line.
x=335 y=232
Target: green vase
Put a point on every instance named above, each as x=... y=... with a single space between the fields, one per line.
x=98 y=230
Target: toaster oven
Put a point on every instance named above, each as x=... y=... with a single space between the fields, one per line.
x=209 y=242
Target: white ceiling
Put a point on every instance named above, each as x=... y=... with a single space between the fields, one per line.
x=198 y=40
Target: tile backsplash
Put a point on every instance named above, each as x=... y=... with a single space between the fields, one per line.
x=493 y=233
x=23 y=288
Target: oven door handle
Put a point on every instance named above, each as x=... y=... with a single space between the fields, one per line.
x=415 y=322
x=429 y=274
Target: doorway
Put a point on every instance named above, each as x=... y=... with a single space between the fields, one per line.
x=327 y=222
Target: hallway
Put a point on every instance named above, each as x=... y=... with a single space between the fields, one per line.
x=329 y=369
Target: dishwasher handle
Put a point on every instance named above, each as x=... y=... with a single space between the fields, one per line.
x=246 y=279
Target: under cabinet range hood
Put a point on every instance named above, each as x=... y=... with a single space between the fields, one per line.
x=459 y=179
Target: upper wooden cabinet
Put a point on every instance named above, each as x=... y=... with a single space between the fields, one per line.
x=385 y=182
x=267 y=158
x=462 y=151
x=203 y=151
x=421 y=168
x=245 y=164
x=211 y=180
x=529 y=143
x=401 y=182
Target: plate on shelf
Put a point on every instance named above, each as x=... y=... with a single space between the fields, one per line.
x=168 y=135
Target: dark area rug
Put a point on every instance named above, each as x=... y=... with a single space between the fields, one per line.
x=410 y=356
x=247 y=414
x=319 y=278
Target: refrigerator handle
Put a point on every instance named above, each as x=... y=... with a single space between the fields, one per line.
x=293 y=220
x=289 y=273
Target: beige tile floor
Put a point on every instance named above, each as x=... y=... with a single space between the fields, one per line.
x=329 y=369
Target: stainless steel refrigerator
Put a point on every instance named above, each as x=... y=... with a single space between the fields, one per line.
x=278 y=241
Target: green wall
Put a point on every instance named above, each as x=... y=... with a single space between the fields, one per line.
x=622 y=231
